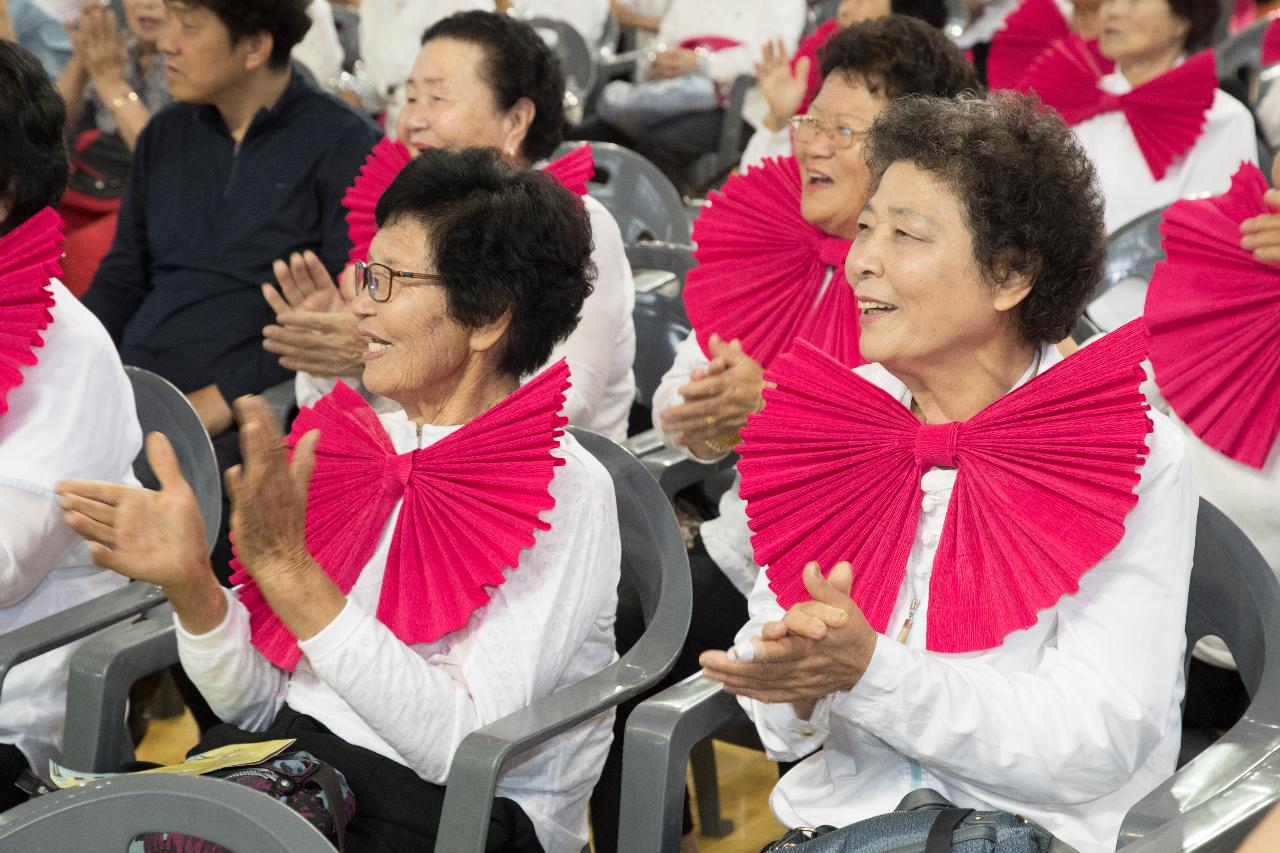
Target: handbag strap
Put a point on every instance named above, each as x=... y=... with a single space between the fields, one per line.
x=943 y=829
x=327 y=778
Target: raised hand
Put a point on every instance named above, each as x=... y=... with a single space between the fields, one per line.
x=315 y=331
x=717 y=400
x=100 y=47
x=782 y=88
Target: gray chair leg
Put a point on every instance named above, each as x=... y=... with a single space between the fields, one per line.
x=702 y=759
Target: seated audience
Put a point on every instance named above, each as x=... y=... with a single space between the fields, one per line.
x=31 y=25
x=480 y=79
x=476 y=271
x=119 y=80
x=673 y=112
x=179 y=289
x=705 y=397
x=790 y=85
x=976 y=253
x=1149 y=43
x=66 y=410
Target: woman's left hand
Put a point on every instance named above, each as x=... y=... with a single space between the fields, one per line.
x=672 y=63
x=100 y=46
x=819 y=647
x=269 y=495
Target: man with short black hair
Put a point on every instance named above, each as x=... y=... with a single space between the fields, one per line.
x=250 y=165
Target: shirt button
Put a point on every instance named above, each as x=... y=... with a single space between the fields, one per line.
x=931 y=540
x=929 y=504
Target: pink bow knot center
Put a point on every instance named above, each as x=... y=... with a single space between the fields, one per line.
x=395 y=474
x=1109 y=103
x=936 y=445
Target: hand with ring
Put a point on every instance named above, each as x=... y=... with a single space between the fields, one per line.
x=717 y=400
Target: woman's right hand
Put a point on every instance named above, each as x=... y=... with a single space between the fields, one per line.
x=717 y=400
x=783 y=88
x=315 y=331
x=99 y=45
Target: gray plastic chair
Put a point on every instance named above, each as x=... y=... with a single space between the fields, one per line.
x=1210 y=804
x=578 y=60
x=1133 y=251
x=710 y=170
x=161 y=408
x=654 y=562
x=105 y=816
x=673 y=259
x=1239 y=57
x=643 y=201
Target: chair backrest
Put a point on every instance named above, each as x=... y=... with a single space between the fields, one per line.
x=1235 y=596
x=163 y=408
x=1132 y=253
x=107 y=815
x=1239 y=58
x=661 y=325
x=654 y=560
x=639 y=196
x=578 y=59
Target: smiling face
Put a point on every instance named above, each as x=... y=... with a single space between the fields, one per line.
x=146 y=19
x=834 y=180
x=1141 y=31
x=451 y=105
x=922 y=298
x=201 y=64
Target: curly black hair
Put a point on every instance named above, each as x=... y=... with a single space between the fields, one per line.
x=503 y=239
x=1202 y=15
x=518 y=64
x=1029 y=193
x=286 y=20
x=932 y=12
x=897 y=55
x=33 y=147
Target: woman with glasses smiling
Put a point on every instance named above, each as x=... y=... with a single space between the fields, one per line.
x=400 y=584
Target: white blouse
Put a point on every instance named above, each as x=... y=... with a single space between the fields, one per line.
x=390 y=36
x=549 y=625
x=44 y=566
x=1069 y=722
x=600 y=351
x=1127 y=186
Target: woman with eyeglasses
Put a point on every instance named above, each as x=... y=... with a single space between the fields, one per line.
x=756 y=287
x=400 y=584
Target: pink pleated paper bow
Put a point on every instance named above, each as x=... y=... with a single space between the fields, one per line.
x=472 y=502
x=1214 y=314
x=388 y=157
x=1045 y=475
x=1166 y=115
x=1271 y=43
x=1029 y=31
x=30 y=256
x=762 y=273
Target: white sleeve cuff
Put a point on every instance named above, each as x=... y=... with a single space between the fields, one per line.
x=336 y=634
x=882 y=680
x=234 y=623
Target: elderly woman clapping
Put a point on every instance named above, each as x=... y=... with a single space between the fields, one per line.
x=409 y=577
x=994 y=635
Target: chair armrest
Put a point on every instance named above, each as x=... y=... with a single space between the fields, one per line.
x=1249 y=751
x=674 y=469
x=660 y=733
x=730 y=147
x=74 y=623
x=616 y=65
x=102 y=671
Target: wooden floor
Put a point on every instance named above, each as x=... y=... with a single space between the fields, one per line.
x=746 y=777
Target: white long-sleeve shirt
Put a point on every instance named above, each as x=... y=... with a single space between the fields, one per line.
x=391 y=34
x=1068 y=722
x=588 y=17
x=550 y=624
x=753 y=23
x=320 y=49
x=44 y=566
x=1128 y=187
x=600 y=351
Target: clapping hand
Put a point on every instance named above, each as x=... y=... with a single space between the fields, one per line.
x=783 y=88
x=315 y=331
x=819 y=647
x=717 y=400
x=99 y=45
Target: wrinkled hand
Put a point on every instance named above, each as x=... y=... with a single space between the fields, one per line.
x=153 y=536
x=99 y=45
x=717 y=400
x=783 y=88
x=268 y=494
x=819 y=647
x=672 y=63
x=315 y=331
x=1262 y=233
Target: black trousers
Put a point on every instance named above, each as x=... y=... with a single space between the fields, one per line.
x=719 y=611
x=12 y=765
x=396 y=810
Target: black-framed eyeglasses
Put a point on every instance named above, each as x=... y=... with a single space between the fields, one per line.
x=841 y=135
x=377 y=279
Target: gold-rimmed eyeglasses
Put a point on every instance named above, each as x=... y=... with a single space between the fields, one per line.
x=840 y=133
x=377 y=278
